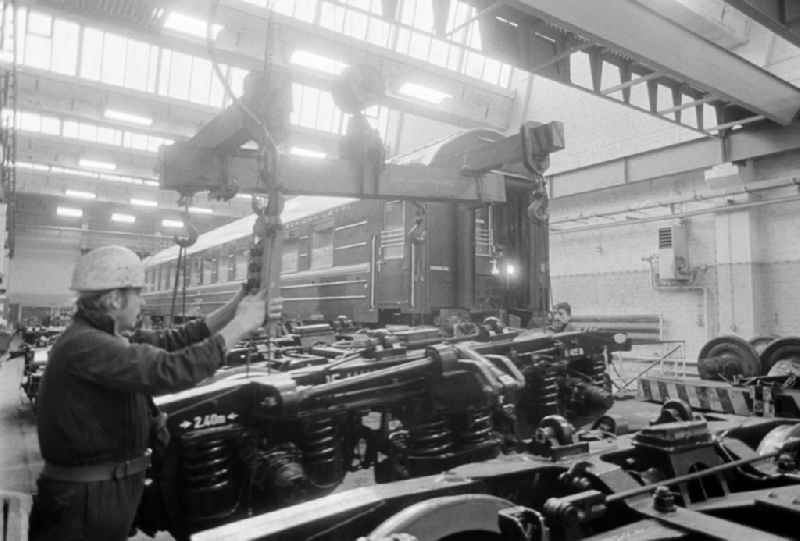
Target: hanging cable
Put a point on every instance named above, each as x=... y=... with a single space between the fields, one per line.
x=212 y=52
x=184 y=241
x=178 y=270
x=267 y=224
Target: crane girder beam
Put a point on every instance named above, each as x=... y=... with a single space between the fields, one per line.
x=661 y=45
x=213 y=160
x=338 y=178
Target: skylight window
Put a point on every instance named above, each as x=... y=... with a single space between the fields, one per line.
x=424 y=93
x=307 y=153
x=178 y=22
x=95 y=164
x=317 y=62
x=128 y=117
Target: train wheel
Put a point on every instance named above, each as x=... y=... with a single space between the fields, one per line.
x=787 y=348
x=760 y=343
x=727 y=356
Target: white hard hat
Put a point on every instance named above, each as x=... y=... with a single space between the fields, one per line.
x=108 y=267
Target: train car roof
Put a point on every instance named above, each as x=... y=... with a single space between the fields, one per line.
x=296 y=208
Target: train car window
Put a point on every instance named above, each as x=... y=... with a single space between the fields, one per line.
x=196 y=274
x=289 y=258
x=483 y=234
x=230 y=262
x=209 y=270
x=170 y=275
x=164 y=277
x=322 y=249
x=393 y=232
x=303 y=253
x=241 y=264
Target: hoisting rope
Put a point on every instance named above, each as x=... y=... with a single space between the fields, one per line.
x=184 y=241
x=267 y=224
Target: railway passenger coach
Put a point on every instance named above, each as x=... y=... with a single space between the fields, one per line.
x=377 y=261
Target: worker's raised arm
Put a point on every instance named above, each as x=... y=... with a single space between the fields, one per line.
x=114 y=363
x=174 y=339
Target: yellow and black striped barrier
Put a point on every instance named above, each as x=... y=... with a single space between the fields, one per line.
x=700 y=394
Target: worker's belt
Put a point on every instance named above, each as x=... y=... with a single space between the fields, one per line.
x=106 y=471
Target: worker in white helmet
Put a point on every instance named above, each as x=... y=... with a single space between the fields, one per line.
x=95 y=405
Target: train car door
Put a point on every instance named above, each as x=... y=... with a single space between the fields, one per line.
x=391 y=287
x=438 y=289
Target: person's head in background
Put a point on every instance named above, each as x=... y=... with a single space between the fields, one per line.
x=561 y=316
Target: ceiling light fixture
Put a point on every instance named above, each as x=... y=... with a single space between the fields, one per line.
x=307 y=153
x=123 y=218
x=200 y=210
x=96 y=164
x=143 y=202
x=317 y=62
x=131 y=118
x=424 y=93
x=173 y=224
x=69 y=212
x=77 y=194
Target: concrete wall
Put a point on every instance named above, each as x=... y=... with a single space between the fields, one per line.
x=746 y=256
x=39 y=274
x=40 y=271
x=602 y=272
x=779 y=269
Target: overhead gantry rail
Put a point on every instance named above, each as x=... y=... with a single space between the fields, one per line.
x=684 y=73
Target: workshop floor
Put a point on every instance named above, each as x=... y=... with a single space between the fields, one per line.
x=20 y=461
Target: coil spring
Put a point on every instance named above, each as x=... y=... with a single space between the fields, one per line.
x=431 y=437
x=598 y=374
x=207 y=468
x=548 y=394
x=478 y=427
x=322 y=453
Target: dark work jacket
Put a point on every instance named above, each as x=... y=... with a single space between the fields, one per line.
x=94 y=399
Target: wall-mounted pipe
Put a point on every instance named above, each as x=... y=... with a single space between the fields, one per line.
x=654 y=283
x=751 y=188
x=722 y=208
